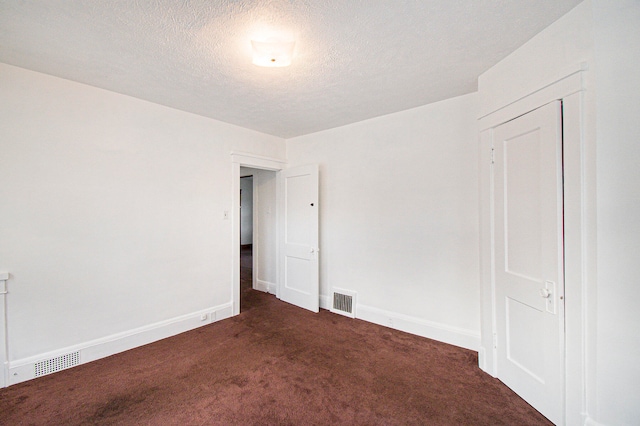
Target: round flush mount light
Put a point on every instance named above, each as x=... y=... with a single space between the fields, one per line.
x=272 y=53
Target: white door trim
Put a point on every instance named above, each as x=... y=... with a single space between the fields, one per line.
x=571 y=82
x=242 y=159
x=4 y=356
x=579 y=229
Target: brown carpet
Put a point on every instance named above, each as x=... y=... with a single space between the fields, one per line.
x=274 y=364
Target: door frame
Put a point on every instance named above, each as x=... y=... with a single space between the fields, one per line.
x=579 y=228
x=4 y=355
x=242 y=159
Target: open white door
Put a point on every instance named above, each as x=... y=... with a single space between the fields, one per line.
x=529 y=258
x=299 y=274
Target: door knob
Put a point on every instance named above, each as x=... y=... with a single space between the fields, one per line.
x=545 y=293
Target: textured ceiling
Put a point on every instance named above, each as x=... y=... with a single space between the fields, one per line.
x=354 y=59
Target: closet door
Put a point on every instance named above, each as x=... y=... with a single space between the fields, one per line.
x=529 y=258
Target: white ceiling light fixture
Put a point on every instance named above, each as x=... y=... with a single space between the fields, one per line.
x=272 y=52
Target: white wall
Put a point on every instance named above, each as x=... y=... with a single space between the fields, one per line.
x=617 y=55
x=246 y=212
x=399 y=216
x=112 y=211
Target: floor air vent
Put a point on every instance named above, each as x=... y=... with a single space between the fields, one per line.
x=344 y=302
x=61 y=362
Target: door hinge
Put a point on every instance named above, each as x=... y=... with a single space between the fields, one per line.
x=493 y=155
x=495 y=341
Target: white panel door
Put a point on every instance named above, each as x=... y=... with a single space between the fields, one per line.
x=299 y=273
x=529 y=258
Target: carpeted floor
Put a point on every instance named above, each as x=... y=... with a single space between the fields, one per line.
x=274 y=364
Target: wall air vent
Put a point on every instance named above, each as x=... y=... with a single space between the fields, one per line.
x=61 y=362
x=344 y=302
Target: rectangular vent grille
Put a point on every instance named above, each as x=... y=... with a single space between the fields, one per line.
x=344 y=303
x=61 y=362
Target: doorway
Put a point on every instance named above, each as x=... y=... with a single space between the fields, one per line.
x=246 y=238
x=278 y=210
x=264 y=247
x=256 y=258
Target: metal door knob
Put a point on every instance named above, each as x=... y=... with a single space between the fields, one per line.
x=545 y=293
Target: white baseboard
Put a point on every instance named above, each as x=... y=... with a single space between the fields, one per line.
x=452 y=335
x=325 y=302
x=24 y=369
x=4 y=380
x=266 y=286
x=262 y=286
x=588 y=421
x=482 y=360
x=486 y=359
